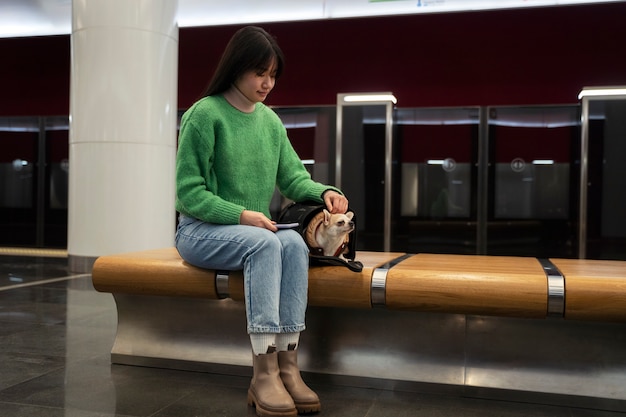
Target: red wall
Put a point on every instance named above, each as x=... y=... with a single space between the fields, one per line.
x=507 y=57
x=35 y=76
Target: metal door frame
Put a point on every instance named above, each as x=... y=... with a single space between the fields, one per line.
x=388 y=100
x=586 y=95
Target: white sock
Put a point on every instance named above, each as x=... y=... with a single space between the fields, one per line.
x=285 y=340
x=261 y=342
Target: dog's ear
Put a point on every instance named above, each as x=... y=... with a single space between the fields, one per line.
x=326 y=217
x=350 y=215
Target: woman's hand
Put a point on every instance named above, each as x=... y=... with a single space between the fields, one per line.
x=335 y=202
x=255 y=218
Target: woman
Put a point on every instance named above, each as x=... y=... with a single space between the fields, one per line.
x=233 y=152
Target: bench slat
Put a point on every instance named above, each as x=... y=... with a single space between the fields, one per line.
x=595 y=289
x=469 y=284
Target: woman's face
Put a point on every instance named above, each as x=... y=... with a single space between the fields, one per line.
x=256 y=85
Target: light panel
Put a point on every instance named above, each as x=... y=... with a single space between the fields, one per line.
x=602 y=91
x=367 y=98
x=54 y=17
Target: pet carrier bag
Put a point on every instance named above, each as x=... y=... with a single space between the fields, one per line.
x=303 y=214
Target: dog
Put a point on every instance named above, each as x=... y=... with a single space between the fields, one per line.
x=328 y=234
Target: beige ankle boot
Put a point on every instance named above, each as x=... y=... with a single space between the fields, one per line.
x=305 y=399
x=267 y=392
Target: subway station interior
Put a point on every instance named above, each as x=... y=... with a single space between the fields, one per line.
x=494 y=131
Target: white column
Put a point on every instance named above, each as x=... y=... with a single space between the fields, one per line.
x=123 y=108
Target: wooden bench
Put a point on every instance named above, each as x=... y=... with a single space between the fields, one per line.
x=379 y=323
x=465 y=284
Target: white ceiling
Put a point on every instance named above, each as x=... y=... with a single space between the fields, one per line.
x=53 y=17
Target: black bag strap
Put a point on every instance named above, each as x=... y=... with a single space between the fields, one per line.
x=354 y=266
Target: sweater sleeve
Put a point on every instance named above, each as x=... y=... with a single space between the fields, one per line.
x=194 y=162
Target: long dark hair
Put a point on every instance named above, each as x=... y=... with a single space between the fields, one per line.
x=250 y=48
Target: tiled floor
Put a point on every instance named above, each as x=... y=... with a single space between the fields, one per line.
x=56 y=333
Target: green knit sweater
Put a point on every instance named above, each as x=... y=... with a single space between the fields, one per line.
x=229 y=161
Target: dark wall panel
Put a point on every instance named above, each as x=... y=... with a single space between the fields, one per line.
x=519 y=56
x=35 y=76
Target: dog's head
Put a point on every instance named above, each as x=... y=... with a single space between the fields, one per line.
x=338 y=224
x=329 y=233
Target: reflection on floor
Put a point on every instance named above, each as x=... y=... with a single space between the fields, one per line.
x=56 y=333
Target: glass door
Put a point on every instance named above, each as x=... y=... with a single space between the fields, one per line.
x=534 y=156
x=19 y=139
x=34 y=171
x=311 y=131
x=436 y=200
x=602 y=231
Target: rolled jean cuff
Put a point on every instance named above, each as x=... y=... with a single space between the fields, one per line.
x=294 y=328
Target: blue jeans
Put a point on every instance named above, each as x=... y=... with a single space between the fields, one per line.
x=275 y=268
